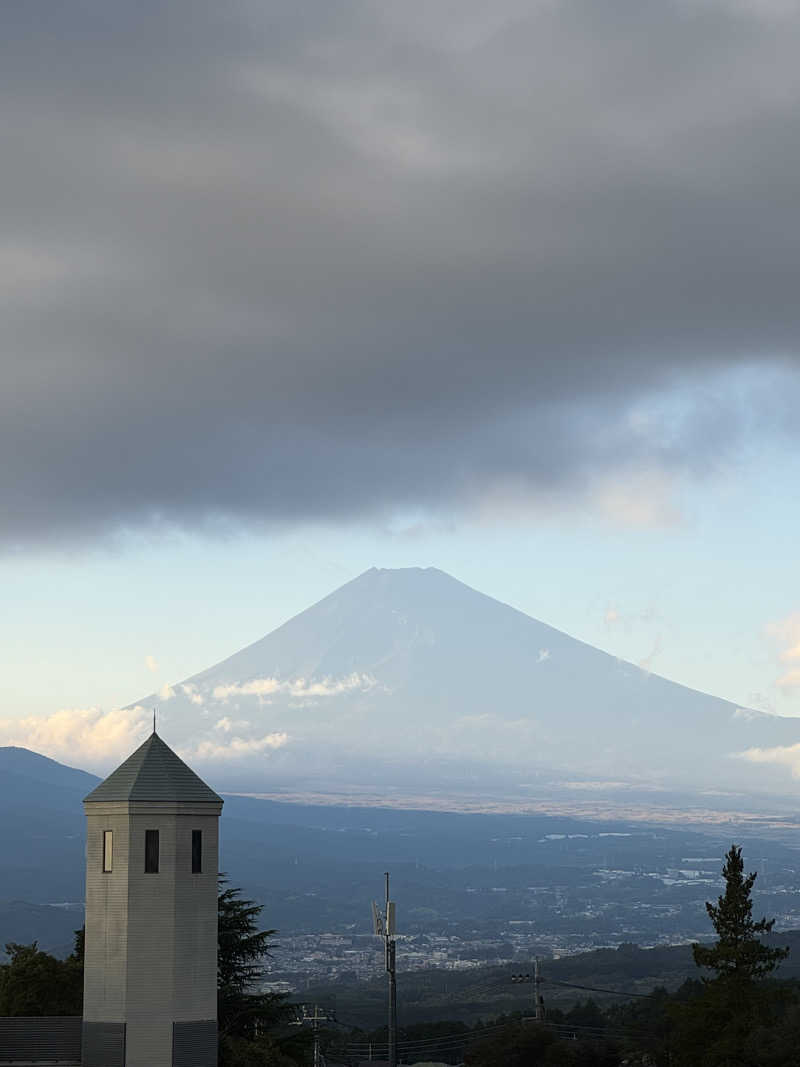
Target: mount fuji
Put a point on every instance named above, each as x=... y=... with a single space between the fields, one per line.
x=411 y=679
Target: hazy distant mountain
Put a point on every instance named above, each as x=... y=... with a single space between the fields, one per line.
x=38 y=776
x=317 y=867
x=410 y=678
x=41 y=831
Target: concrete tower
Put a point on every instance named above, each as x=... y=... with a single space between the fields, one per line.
x=150 y=987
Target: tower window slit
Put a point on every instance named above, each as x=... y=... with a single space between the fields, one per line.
x=151 y=852
x=197 y=851
x=108 y=851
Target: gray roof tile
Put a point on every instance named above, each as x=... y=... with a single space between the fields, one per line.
x=153 y=773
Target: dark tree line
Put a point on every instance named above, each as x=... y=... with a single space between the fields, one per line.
x=736 y=1015
x=254 y=1028
x=35 y=983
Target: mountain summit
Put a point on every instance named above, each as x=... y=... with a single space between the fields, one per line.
x=406 y=676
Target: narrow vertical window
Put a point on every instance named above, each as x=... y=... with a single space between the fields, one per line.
x=197 y=851
x=108 y=851
x=151 y=852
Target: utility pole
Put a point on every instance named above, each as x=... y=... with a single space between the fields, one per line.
x=385 y=927
x=538 y=1003
x=315 y=1031
x=537 y=981
x=319 y=1015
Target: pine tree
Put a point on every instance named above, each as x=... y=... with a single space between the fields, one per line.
x=738 y=956
x=242 y=946
x=718 y=1027
x=250 y=1022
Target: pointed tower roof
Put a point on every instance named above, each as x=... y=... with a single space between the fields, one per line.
x=153 y=773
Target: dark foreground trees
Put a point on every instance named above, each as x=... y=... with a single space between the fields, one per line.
x=529 y=1044
x=736 y=1015
x=35 y=983
x=253 y=1026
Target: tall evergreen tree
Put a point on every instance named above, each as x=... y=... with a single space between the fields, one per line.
x=251 y=1022
x=243 y=948
x=738 y=956
x=718 y=1027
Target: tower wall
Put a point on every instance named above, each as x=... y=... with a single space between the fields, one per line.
x=195 y=978
x=151 y=938
x=106 y=946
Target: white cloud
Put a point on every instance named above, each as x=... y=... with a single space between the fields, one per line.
x=789 y=680
x=239 y=747
x=782 y=755
x=544 y=654
x=258 y=687
x=166 y=692
x=151 y=663
x=297 y=688
x=786 y=632
x=747 y=714
x=97 y=739
x=190 y=691
x=80 y=735
x=227 y=724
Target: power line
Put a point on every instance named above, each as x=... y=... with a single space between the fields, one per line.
x=450 y=1042
x=457 y=1042
x=537 y=979
x=410 y=1045
x=596 y=1031
x=597 y=989
x=475 y=1034
x=453 y=1043
x=453 y=1038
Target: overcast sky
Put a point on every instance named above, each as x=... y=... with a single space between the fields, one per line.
x=288 y=290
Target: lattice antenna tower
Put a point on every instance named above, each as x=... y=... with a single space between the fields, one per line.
x=384 y=925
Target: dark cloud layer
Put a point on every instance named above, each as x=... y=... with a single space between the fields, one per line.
x=269 y=262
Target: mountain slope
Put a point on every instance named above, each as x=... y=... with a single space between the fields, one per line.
x=41 y=829
x=409 y=677
x=34 y=771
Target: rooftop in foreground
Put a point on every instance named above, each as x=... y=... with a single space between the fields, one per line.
x=153 y=773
